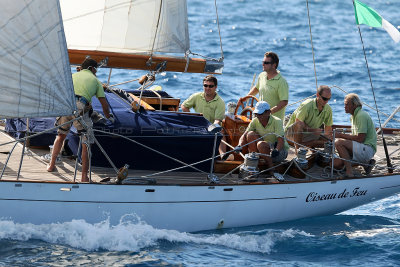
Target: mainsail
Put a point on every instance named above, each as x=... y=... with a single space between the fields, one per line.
x=35 y=74
x=130 y=32
x=126 y=26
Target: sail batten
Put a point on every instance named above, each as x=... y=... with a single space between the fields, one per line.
x=35 y=78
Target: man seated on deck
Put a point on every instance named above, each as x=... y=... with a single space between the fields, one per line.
x=268 y=131
x=360 y=145
x=304 y=126
x=86 y=85
x=208 y=102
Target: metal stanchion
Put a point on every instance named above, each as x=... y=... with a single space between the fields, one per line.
x=22 y=158
x=212 y=177
x=8 y=158
x=77 y=157
x=333 y=152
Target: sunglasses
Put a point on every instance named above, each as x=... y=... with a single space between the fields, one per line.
x=268 y=62
x=209 y=85
x=325 y=98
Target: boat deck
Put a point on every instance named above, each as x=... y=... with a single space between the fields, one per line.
x=34 y=168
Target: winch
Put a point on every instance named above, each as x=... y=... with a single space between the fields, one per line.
x=231 y=109
x=301 y=159
x=249 y=169
x=326 y=157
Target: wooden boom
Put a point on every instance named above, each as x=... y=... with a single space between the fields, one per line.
x=137 y=61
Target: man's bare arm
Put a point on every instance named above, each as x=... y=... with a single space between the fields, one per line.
x=280 y=106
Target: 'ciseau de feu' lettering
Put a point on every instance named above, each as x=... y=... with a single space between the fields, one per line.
x=314 y=196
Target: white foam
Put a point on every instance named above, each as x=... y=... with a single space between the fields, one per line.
x=133 y=235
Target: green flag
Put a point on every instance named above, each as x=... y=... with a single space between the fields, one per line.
x=366 y=15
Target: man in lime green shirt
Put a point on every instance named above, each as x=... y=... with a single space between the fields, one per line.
x=304 y=126
x=271 y=86
x=360 y=145
x=208 y=102
x=86 y=85
x=265 y=135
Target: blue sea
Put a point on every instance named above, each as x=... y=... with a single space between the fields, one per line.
x=366 y=236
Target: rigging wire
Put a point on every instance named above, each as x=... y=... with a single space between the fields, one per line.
x=219 y=30
x=312 y=46
x=220 y=42
x=389 y=164
x=155 y=34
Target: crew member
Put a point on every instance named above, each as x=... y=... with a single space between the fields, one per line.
x=86 y=85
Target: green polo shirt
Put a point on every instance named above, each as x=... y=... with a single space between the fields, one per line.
x=308 y=113
x=274 y=125
x=273 y=91
x=361 y=122
x=87 y=85
x=211 y=110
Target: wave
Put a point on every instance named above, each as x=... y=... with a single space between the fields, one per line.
x=132 y=234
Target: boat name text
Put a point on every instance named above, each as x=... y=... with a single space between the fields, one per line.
x=314 y=196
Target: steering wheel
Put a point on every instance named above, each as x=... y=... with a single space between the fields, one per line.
x=247 y=110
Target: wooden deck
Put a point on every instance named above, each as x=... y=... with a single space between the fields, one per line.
x=34 y=164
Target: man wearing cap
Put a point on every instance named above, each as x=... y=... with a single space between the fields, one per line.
x=268 y=131
x=208 y=102
x=272 y=86
x=86 y=85
x=304 y=126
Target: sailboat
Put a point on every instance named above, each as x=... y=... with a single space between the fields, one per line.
x=36 y=62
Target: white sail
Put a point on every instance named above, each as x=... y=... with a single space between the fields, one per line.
x=126 y=26
x=35 y=76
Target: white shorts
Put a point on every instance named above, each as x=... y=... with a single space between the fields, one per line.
x=362 y=153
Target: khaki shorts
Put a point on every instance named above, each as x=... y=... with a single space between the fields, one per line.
x=362 y=153
x=306 y=137
x=84 y=112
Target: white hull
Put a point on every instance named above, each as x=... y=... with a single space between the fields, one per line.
x=188 y=208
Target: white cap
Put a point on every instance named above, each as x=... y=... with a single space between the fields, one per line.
x=261 y=107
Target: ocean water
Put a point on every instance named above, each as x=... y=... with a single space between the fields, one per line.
x=367 y=236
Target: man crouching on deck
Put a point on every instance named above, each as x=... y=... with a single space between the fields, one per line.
x=86 y=85
x=268 y=131
x=360 y=145
x=304 y=126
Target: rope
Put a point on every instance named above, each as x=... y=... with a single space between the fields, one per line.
x=389 y=164
x=113 y=85
x=155 y=35
x=344 y=91
x=365 y=104
x=152 y=149
x=266 y=170
x=312 y=46
x=40 y=133
x=302 y=100
x=219 y=31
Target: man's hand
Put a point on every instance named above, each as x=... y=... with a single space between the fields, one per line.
x=111 y=118
x=274 y=153
x=237 y=149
